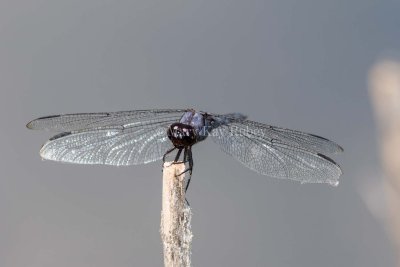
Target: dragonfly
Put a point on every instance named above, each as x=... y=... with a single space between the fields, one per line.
x=142 y=136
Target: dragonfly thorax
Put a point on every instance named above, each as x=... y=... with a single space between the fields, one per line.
x=182 y=135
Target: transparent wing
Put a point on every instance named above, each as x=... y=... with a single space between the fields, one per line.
x=137 y=141
x=80 y=121
x=278 y=152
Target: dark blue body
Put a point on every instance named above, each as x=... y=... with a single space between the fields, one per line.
x=201 y=123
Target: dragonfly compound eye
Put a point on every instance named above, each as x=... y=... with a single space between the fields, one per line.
x=181 y=135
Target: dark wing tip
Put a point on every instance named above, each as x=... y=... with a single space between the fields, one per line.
x=338 y=147
x=59 y=136
x=331 y=161
x=32 y=124
x=29 y=125
x=49 y=117
x=327 y=158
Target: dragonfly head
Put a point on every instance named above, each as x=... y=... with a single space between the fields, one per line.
x=182 y=135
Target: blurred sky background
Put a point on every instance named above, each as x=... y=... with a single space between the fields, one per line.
x=297 y=64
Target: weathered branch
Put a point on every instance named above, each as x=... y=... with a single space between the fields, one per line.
x=176 y=217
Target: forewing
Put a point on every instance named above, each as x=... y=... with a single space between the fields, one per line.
x=142 y=141
x=292 y=137
x=80 y=121
x=279 y=152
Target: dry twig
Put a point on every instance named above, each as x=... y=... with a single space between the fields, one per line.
x=176 y=217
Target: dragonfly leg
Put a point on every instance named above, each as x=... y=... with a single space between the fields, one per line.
x=169 y=151
x=166 y=153
x=190 y=158
x=178 y=154
x=185 y=155
x=185 y=159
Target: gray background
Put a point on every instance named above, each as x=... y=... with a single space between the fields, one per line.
x=297 y=64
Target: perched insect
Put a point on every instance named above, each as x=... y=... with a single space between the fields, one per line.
x=142 y=136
